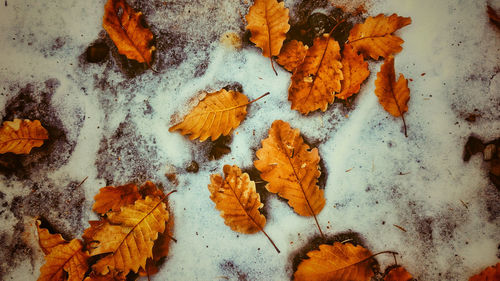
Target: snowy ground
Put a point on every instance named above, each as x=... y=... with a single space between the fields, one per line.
x=113 y=129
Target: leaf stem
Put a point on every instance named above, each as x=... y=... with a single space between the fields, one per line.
x=272 y=65
x=404 y=124
x=252 y=101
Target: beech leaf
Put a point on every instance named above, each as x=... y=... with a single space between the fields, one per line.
x=113 y=198
x=398 y=273
x=355 y=71
x=20 y=136
x=65 y=259
x=292 y=54
x=491 y=273
x=46 y=240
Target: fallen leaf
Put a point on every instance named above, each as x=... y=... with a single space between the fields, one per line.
x=68 y=258
x=20 y=136
x=113 y=198
x=355 y=71
x=494 y=17
x=46 y=240
x=268 y=23
x=291 y=169
x=491 y=273
x=217 y=114
x=374 y=37
x=339 y=262
x=392 y=95
x=150 y=189
x=317 y=78
x=124 y=26
x=292 y=54
x=398 y=273
x=237 y=200
x=108 y=277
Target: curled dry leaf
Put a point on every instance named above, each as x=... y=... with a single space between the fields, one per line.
x=20 y=136
x=339 y=262
x=393 y=95
x=292 y=54
x=355 y=71
x=317 y=78
x=123 y=24
x=65 y=259
x=238 y=201
x=113 y=198
x=46 y=240
x=291 y=169
x=398 y=273
x=491 y=273
x=374 y=37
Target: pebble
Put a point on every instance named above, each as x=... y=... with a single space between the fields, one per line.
x=193 y=167
x=489 y=152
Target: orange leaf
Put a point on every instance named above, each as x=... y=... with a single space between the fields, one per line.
x=355 y=71
x=374 y=38
x=393 y=95
x=150 y=189
x=113 y=198
x=291 y=169
x=124 y=27
x=491 y=273
x=292 y=54
x=68 y=258
x=317 y=78
x=108 y=277
x=20 y=136
x=339 y=262
x=398 y=273
x=47 y=240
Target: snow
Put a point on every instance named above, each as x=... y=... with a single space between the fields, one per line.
x=114 y=130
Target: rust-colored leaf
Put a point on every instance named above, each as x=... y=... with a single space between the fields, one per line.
x=65 y=259
x=108 y=277
x=398 y=273
x=491 y=273
x=20 y=136
x=291 y=169
x=238 y=201
x=493 y=15
x=113 y=198
x=374 y=37
x=317 y=78
x=339 y=262
x=46 y=240
x=355 y=71
x=292 y=54
x=124 y=26
x=393 y=95
x=150 y=189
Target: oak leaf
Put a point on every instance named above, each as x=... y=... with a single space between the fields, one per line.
x=65 y=259
x=398 y=273
x=355 y=71
x=491 y=273
x=291 y=169
x=268 y=23
x=46 y=240
x=113 y=198
x=20 y=136
x=237 y=200
x=339 y=262
x=317 y=78
x=374 y=37
x=393 y=95
x=292 y=54
x=124 y=26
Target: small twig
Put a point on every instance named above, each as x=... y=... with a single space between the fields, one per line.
x=400 y=227
x=348 y=170
x=465 y=205
x=80 y=184
x=345 y=241
x=404 y=174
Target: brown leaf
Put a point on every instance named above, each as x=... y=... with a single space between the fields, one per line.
x=124 y=27
x=491 y=273
x=317 y=78
x=291 y=169
x=393 y=95
x=339 y=262
x=108 y=277
x=20 y=136
x=398 y=273
x=374 y=37
x=494 y=17
x=355 y=71
x=292 y=54
x=46 y=240
x=150 y=189
x=65 y=259
x=113 y=198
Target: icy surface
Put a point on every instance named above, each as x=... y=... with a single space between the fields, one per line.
x=112 y=128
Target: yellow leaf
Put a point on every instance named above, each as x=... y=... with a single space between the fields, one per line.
x=124 y=27
x=65 y=259
x=317 y=78
x=20 y=136
x=339 y=262
x=491 y=273
x=291 y=169
x=113 y=198
x=292 y=54
x=374 y=37
x=47 y=240
x=355 y=71
x=108 y=277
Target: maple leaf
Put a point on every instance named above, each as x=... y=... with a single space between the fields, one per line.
x=67 y=258
x=398 y=273
x=268 y=23
x=46 y=240
x=118 y=235
x=113 y=198
x=237 y=200
x=393 y=95
x=291 y=169
x=491 y=273
x=339 y=262
x=217 y=114
x=374 y=37
x=355 y=71
x=317 y=78
x=20 y=136
x=292 y=54
x=123 y=24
